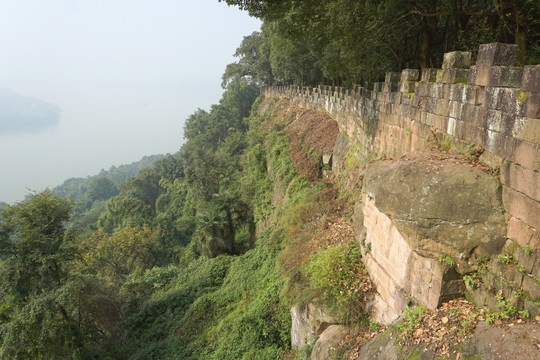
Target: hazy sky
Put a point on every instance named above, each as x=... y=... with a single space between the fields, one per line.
x=126 y=74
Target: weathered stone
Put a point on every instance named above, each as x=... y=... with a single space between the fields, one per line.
x=526 y=259
x=328 y=340
x=501 y=76
x=527 y=129
x=341 y=149
x=454 y=76
x=439 y=205
x=407 y=87
x=522 y=207
x=429 y=75
x=513 y=276
x=497 y=54
x=457 y=60
x=521 y=179
x=392 y=77
x=327 y=160
x=532 y=308
x=532 y=287
x=526 y=154
x=523 y=234
x=531 y=78
x=530 y=104
x=502 y=342
x=308 y=322
x=410 y=75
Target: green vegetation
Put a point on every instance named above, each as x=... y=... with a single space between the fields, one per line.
x=346 y=42
x=506 y=310
x=339 y=274
x=169 y=263
x=411 y=317
x=446 y=259
x=200 y=255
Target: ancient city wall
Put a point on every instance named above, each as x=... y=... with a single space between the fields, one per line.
x=492 y=108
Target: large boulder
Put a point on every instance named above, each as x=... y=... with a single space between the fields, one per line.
x=441 y=203
x=328 y=341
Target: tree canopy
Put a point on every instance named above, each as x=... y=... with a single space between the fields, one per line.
x=346 y=41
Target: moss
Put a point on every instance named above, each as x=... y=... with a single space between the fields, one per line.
x=522 y=95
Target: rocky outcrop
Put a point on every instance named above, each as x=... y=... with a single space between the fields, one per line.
x=422 y=213
x=440 y=203
x=328 y=340
x=308 y=323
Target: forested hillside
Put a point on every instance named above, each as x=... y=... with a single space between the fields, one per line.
x=202 y=254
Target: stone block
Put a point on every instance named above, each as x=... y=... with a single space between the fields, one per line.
x=429 y=75
x=392 y=77
x=410 y=75
x=531 y=286
x=522 y=207
x=530 y=103
x=513 y=276
x=456 y=92
x=531 y=78
x=527 y=129
x=497 y=268
x=501 y=76
x=523 y=234
x=407 y=86
x=521 y=179
x=473 y=134
x=493 y=141
x=454 y=76
x=390 y=87
x=509 y=102
x=442 y=107
x=473 y=75
x=493 y=98
x=526 y=259
x=457 y=60
x=429 y=104
x=526 y=154
x=494 y=120
x=447 y=90
x=532 y=308
x=497 y=54
x=456 y=109
x=469 y=94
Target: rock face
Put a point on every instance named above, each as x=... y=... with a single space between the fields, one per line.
x=417 y=209
x=330 y=338
x=308 y=322
x=440 y=203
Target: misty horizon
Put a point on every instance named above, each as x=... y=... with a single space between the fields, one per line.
x=125 y=75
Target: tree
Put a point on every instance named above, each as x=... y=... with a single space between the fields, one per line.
x=101 y=188
x=35 y=246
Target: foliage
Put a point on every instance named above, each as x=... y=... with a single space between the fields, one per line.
x=34 y=245
x=410 y=318
x=446 y=259
x=347 y=42
x=506 y=310
x=340 y=275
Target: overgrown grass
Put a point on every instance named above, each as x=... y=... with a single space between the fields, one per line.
x=342 y=280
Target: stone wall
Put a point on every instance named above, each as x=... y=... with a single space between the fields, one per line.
x=491 y=108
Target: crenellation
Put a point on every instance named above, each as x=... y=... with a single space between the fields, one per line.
x=495 y=107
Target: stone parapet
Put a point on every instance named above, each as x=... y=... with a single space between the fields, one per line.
x=492 y=106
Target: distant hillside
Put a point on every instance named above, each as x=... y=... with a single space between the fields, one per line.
x=22 y=113
x=75 y=188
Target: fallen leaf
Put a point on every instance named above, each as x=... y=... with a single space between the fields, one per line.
x=444 y=320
